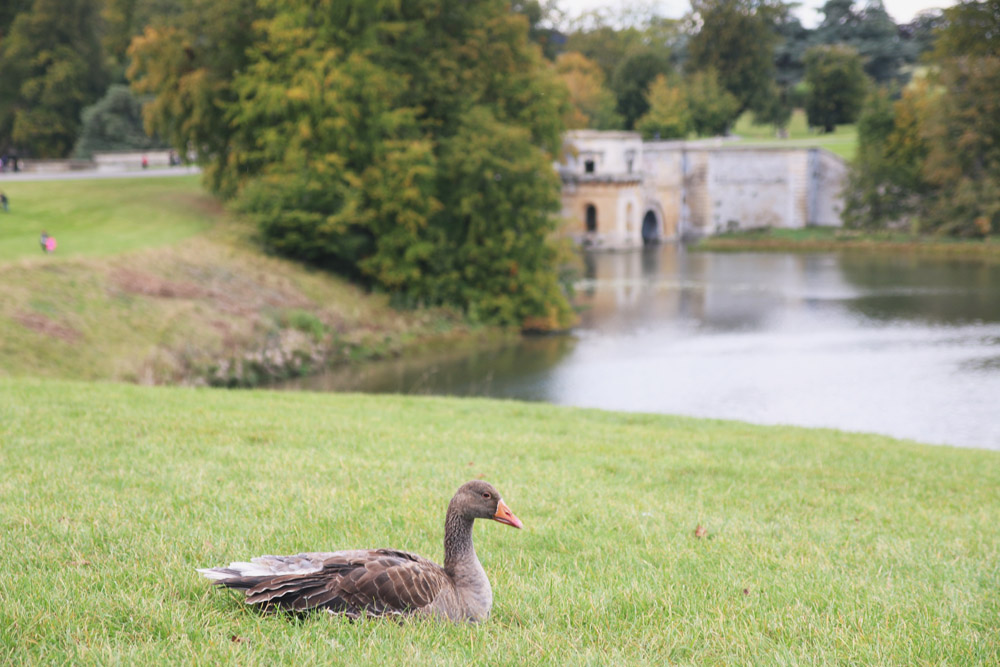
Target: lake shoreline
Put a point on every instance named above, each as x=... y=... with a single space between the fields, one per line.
x=814 y=239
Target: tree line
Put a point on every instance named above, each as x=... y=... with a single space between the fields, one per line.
x=409 y=145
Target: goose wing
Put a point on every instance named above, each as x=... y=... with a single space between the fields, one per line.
x=377 y=583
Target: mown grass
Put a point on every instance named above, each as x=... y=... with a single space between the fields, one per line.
x=103 y=216
x=822 y=547
x=813 y=239
x=843 y=141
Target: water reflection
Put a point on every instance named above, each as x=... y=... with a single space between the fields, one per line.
x=900 y=345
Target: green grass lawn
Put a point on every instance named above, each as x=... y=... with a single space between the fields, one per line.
x=843 y=141
x=822 y=547
x=103 y=216
x=821 y=239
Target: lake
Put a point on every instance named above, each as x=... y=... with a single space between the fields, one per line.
x=903 y=345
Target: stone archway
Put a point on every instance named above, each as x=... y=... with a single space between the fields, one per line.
x=650 y=227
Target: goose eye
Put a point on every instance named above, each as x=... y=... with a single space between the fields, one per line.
x=486 y=495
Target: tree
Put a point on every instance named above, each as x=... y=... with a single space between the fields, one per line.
x=885 y=181
x=52 y=66
x=632 y=79
x=962 y=131
x=969 y=29
x=114 y=123
x=837 y=86
x=735 y=38
x=188 y=66
x=407 y=145
x=872 y=33
x=592 y=104
x=668 y=116
x=713 y=108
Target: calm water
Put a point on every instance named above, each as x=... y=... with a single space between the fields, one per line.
x=899 y=345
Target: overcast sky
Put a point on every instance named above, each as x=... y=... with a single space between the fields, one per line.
x=900 y=10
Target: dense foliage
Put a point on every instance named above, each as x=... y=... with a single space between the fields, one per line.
x=837 y=85
x=407 y=146
x=114 y=123
x=932 y=158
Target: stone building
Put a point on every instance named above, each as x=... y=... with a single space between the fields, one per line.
x=619 y=191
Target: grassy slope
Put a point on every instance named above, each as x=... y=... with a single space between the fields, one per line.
x=103 y=216
x=822 y=547
x=152 y=282
x=843 y=141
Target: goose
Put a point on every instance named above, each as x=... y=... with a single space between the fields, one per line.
x=382 y=582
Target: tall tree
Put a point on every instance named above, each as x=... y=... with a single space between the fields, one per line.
x=668 y=116
x=632 y=79
x=52 y=67
x=408 y=145
x=735 y=38
x=188 y=66
x=114 y=123
x=871 y=32
x=713 y=108
x=837 y=86
x=592 y=104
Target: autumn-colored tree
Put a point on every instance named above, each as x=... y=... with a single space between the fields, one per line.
x=837 y=86
x=962 y=131
x=188 y=67
x=592 y=104
x=886 y=186
x=51 y=66
x=668 y=116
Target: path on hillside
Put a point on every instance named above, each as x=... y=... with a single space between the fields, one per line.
x=93 y=173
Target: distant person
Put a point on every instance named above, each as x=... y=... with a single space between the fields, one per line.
x=145 y=162
x=4 y=202
x=47 y=242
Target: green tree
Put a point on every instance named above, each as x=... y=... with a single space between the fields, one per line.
x=187 y=65
x=52 y=67
x=592 y=103
x=886 y=186
x=713 y=108
x=963 y=134
x=114 y=123
x=837 y=86
x=872 y=33
x=969 y=29
x=668 y=116
x=736 y=39
x=408 y=145
x=632 y=79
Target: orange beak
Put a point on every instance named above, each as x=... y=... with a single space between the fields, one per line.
x=504 y=515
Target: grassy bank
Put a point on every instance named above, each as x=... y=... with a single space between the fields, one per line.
x=822 y=239
x=821 y=547
x=152 y=282
x=843 y=141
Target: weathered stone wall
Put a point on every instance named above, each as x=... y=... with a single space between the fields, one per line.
x=694 y=188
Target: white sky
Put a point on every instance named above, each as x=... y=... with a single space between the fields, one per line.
x=900 y=10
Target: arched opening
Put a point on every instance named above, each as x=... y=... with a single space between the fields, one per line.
x=591 y=218
x=650 y=228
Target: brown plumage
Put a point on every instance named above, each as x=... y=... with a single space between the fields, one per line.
x=380 y=582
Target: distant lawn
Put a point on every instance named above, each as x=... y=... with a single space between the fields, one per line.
x=103 y=216
x=820 y=547
x=811 y=239
x=843 y=141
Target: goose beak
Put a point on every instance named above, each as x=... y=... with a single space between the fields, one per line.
x=504 y=515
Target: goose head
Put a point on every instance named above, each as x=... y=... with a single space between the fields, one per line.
x=479 y=500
